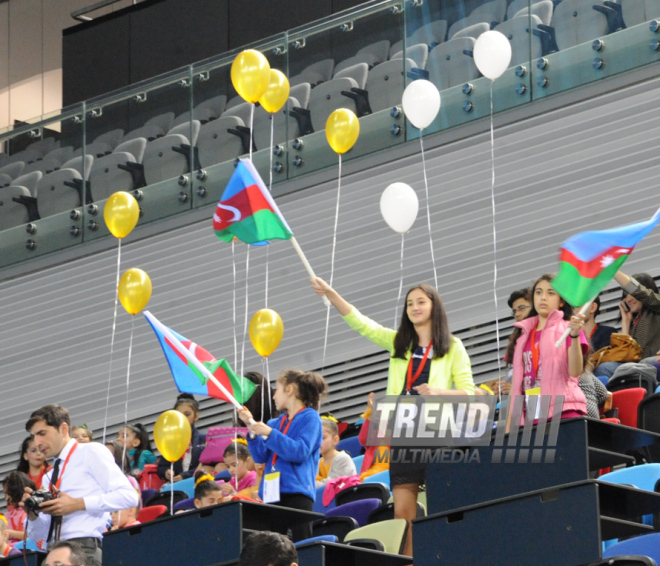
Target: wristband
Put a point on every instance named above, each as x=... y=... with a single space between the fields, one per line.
x=573 y=336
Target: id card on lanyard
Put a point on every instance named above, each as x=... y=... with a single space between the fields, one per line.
x=272 y=479
x=534 y=391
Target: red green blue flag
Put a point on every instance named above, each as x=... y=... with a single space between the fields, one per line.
x=189 y=379
x=589 y=260
x=247 y=210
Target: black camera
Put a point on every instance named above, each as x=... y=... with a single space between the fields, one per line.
x=37 y=498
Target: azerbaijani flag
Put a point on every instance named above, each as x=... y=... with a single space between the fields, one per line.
x=189 y=379
x=589 y=260
x=247 y=210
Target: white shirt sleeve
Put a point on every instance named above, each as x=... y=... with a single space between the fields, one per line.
x=116 y=493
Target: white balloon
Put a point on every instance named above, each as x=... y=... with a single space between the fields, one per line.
x=421 y=103
x=399 y=206
x=492 y=54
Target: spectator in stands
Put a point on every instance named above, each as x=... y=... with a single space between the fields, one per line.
x=14 y=487
x=5 y=549
x=207 y=490
x=120 y=455
x=236 y=457
x=540 y=368
x=264 y=548
x=334 y=463
x=82 y=434
x=186 y=466
x=261 y=402
x=32 y=462
x=598 y=334
x=85 y=481
x=596 y=393
x=136 y=441
x=423 y=330
x=65 y=554
x=289 y=445
x=376 y=458
x=127 y=517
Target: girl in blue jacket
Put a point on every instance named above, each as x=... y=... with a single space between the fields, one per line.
x=289 y=445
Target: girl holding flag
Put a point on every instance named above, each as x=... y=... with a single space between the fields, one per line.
x=425 y=360
x=541 y=368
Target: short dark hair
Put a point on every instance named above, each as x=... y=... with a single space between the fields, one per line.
x=519 y=294
x=78 y=556
x=52 y=415
x=186 y=399
x=264 y=548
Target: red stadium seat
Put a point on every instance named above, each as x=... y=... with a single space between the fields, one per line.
x=147 y=514
x=627 y=401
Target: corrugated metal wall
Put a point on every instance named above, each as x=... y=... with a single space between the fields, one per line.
x=588 y=166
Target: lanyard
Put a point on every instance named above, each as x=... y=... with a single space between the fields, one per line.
x=594 y=330
x=535 y=352
x=412 y=378
x=286 y=429
x=59 y=479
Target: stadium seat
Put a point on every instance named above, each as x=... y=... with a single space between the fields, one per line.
x=380 y=477
x=619 y=382
x=149 y=133
x=328 y=97
x=357 y=72
x=43 y=166
x=301 y=93
x=643 y=476
x=351 y=445
x=147 y=494
x=318 y=502
x=543 y=10
x=107 y=175
x=379 y=50
x=187 y=485
x=5 y=180
x=150 y=513
x=96 y=149
x=161 y=162
x=418 y=53
x=385 y=512
x=648 y=418
x=216 y=143
x=337 y=526
x=189 y=130
x=217 y=104
x=386 y=82
x=13 y=169
x=639 y=11
x=645 y=545
x=363 y=491
x=359 y=510
x=366 y=58
x=185 y=504
x=166 y=497
x=162 y=121
x=113 y=138
x=473 y=31
x=59 y=191
x=391 y=534
x=578 y=21
x=29 y=181
x=521 y=38
x=314 y=74
x=430 y=34
x=357 y=460
x=285 y=127
x=320 y=538
x=13 y=213
x=627 y=402
x=202 y=115
x=451 y=63
x=224 y=475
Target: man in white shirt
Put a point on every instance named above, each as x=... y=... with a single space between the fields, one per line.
x=86 y=482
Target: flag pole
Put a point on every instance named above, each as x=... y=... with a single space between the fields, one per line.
x=306 y=263
x=192 y=359
x=583 y=310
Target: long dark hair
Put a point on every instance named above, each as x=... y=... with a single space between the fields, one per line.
x=259 y=400
x=645 y=280
x=121 y=457
x=23 y=464
x=145 y=444
x=406 y=338
x=565 y=308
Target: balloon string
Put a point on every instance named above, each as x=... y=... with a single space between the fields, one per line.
x=270 y=396
x=128 y=370
x=251 y=128
x=171 y=488
x=270 y=189
x=396 y=308
x=428 y=209
x=332 y=262
x=112 y=340
x=492 y=199
x=233 y=261
x=245 y=324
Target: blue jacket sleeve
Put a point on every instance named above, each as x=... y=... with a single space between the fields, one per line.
x=298 y=445
x=258 y=450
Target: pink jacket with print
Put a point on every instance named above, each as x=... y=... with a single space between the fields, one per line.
x=555 y=380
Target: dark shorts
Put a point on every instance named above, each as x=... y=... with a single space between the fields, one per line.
x=405 y=472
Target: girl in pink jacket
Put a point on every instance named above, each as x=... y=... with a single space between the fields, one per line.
x=539 y=367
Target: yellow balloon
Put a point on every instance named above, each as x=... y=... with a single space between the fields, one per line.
x=134 y=290
x=277 y=92
x=342 y=130
x=266 y=330
x=121 y=214
x=172 y=435
x=250 y=74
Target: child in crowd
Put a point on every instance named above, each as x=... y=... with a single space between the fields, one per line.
x=334 y=463
x=289 y=445
x=121 y=456
x=32 y=462
x=539 y=367
x=82 y=434
x=186 y=466
x=376 y=458
x=5 y=549
x=207 y=490
x=425 y=360
x=14 y=487
x=127 y=517
x=138 y=446
x=236 y=457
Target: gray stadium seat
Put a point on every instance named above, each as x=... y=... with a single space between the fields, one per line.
x=45 y=165
x=3 y=158
x=162 y=162
x=315 y=73
x=366 y=58
x=449 y=66
x=301 y=93
x=13 y=213
x=13 y=168
x=281 y=119
x=217 y=104
x=96 y=149
x=29 y=181
x=418 y=53
x=58 y=192
x=215 y=144
x=639 y=11
x=149 y=133
x=112 y=138
x=61 y=154
x=379 y=50
x=577 y=21
x=326 y=98
x=190 y=130
x=107 y=177
x=541 y=9
x=386 y=82
x=135 y=147
x=5 y=180
x=473 y=31
x=431 y=34
x=162 y=121
x=202 y=115
x=518 y=32
x=357 y=72
x=242 y=111
x=82 y=166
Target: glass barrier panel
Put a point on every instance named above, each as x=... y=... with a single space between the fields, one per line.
x=344 y=62
x=140 y=140
x=41 y=187
x=230 y=125
x=439 y=47
x=595 y=40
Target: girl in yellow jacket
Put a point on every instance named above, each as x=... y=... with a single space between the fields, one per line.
x=425 y=360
